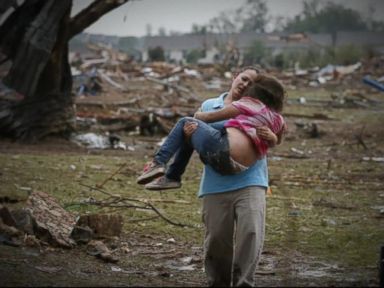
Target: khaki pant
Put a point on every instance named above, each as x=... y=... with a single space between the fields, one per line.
x=234 y=236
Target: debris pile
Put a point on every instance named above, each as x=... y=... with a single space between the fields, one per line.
x=116 y=94
x=44 y=223
x=113 y=93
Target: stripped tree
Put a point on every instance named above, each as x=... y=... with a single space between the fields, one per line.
x=34 y=38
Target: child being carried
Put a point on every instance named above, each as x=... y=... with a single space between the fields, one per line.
x=260 y=106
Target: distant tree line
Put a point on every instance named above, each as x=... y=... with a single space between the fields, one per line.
x=316 y=17
x=312 y=57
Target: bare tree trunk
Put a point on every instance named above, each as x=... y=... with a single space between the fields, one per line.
x=40 y=73
x=36 y=39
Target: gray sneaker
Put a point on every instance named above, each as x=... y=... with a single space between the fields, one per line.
x=163 y=183
x=152 y=170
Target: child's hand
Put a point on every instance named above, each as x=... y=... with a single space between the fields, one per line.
x=266 y=134
x=189 y=128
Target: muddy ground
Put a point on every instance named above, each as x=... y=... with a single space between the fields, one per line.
x=325 y=222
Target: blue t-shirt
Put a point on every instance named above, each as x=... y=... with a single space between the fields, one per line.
x=213 y=182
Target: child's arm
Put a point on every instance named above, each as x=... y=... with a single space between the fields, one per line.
x=222 y=114
x=265 y=133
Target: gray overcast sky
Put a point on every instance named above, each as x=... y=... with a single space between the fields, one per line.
x=132 y=18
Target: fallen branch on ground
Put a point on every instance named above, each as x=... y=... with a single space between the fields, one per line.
x=116 y=201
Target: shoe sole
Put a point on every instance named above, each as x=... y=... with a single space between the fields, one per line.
x=157 y=188
x=151 y=176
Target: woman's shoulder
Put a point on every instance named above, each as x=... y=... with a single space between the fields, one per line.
x=214 y=103
x=209 y=101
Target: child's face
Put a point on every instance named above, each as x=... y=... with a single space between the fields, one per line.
x=241 y=82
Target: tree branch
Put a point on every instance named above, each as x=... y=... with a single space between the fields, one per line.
x=115 y=200
x=91 y=14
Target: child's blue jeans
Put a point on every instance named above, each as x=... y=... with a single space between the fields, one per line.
x=211 y=144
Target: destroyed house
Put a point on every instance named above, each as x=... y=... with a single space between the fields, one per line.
x=176 y=47
x=213 y=46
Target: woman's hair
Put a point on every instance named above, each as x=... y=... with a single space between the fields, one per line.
x=255 y=68
x=268 y=90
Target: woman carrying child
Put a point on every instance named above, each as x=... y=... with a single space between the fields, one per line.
x=260 y=106
x=233 y=206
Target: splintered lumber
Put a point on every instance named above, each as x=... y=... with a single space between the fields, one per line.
x=53 y=223
x=174 y=86
x=166 y=83
x=103 y=104
x=110 y=81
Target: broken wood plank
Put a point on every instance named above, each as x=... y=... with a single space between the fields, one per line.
x=53 y=223
x=104 y=104
x=174 y=86
x=110 y=81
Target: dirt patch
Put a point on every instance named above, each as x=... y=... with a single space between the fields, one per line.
x=138 y=266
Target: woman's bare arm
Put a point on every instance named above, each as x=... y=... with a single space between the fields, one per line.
x=222 y=114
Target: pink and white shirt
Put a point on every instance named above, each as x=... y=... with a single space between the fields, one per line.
x=255 y=114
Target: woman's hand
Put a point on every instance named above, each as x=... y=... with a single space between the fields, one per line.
x=266 y=134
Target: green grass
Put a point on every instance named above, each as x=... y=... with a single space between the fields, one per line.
x=350 y=234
